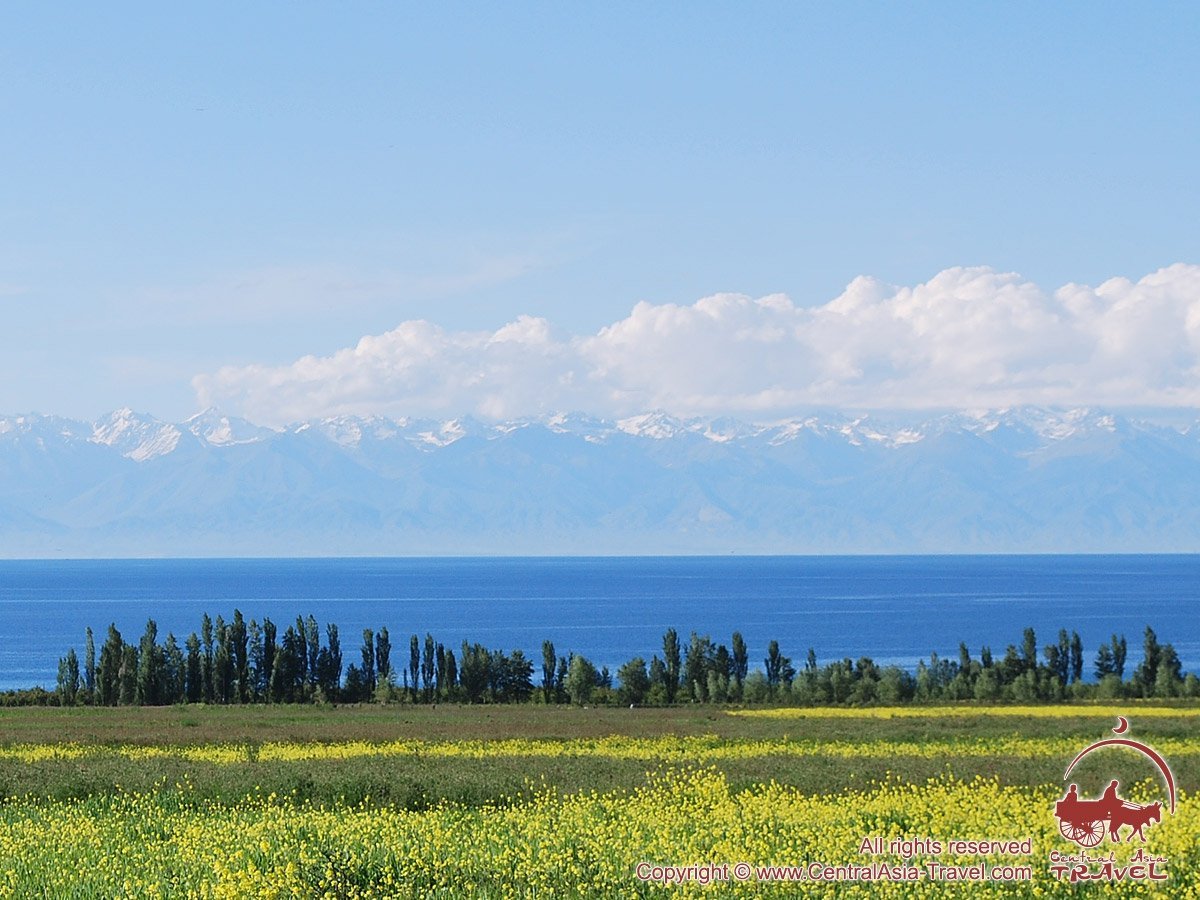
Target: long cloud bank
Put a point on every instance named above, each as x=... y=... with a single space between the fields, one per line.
x=967 y=338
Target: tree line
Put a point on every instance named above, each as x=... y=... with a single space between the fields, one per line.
x=238 y=662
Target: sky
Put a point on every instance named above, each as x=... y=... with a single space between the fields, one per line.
x=300 y=209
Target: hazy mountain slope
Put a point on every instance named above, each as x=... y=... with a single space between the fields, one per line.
x=1015 y=480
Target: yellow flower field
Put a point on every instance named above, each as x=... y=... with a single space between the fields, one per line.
x=1045 y=711
x=691 y=815
x=671 y=748
x=593 y=844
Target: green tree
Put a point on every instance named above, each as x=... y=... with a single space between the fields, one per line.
x=127 y=676
x=383 y=658
x=312 y=646
x=696 y=666
x=329 y=664
x=368 y=660
x=301 y=651
x=109 y=670
x=671 y=663
x=414 y=664
x=240 y=658
x=222 y=664
x=428 y=667
x=518 y=678
x=194 y=689
x=549 y=659
x=1146 y=674
x=270 y=648
x=1076 y=657
x=451 y=673
x=987 y=685
x=206 y=639
x=560 y=680
x=254 y=661
x=440 y=685
x=355 y=687
x=1104 y=665
x=174 y=672
x=635 y=682
x=581 y=679
x=1168 y=678
x=287 y=678
x=1119 y=650
x=89 y=666
x=68 y=679
x=779 y=670
x=741 y=662
x=474 y=672
x=1029 y=650
x=1058 y=658
x=657 y=694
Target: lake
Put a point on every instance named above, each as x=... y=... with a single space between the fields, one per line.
x=896 y=609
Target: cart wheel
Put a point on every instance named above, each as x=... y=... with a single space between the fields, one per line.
x=1086 y=834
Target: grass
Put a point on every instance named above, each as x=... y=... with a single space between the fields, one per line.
x=793 y=748
x=209 y=801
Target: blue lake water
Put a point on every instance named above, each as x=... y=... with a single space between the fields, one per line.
x=895 y=609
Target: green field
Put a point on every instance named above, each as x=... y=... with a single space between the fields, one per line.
x=417 y=780
x=477 y=790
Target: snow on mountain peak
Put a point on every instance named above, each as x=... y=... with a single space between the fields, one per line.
x=214 y=427
x=655 y=425
x=446 y=433
x=136 y=437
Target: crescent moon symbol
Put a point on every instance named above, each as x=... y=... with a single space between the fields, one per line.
x=1123 y=726
x=1141 y=748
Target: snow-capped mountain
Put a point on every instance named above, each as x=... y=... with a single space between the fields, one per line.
x=139 y=438
x=214 y=427
x=1025 y=479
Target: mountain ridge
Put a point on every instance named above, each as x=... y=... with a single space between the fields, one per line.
x=1024 y=479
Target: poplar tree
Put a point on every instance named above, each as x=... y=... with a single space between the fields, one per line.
x=427 y=667
x=368 y=662
x=206 y=639
x=741 y=662
x=108 y=673
x=312 y=640
x=254 y=661
x=383 y=657
x=127 y=694
x=68 y=679
x=451 y=673
x=173 y=672
x=695 y=668
x=222 y=664
x=671 y=663
x=440 y=674
x=1076 y=657
x=89 y=666
x=414 y=665
x=149 y=668
x=301 y=651
x=240 y=659
x=194 y=688
x=329 y=664
x=268 y=657
x=548 y=661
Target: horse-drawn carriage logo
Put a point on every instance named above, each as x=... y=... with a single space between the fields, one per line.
x=1086 y=821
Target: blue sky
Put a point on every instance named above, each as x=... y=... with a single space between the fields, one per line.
x=198 y=198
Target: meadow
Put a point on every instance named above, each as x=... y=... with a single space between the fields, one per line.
x=381 y=801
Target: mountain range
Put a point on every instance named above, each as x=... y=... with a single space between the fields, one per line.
x=1018 y=480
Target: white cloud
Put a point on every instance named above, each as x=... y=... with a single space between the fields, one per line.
x=969 y=337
